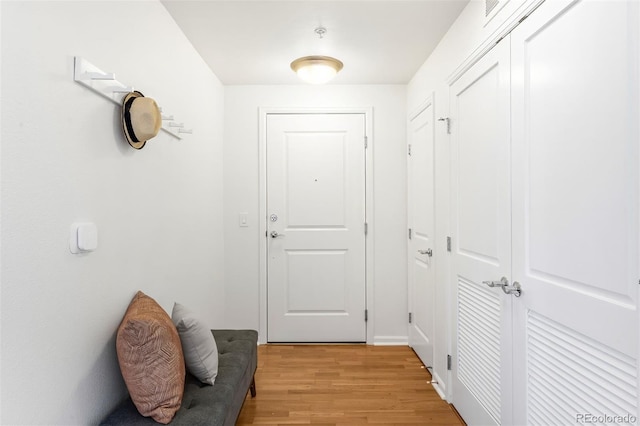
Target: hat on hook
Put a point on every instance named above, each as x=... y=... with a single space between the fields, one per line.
x=141 y=119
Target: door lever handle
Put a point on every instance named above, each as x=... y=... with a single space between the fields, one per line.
x=428 y=252
x=503 y=282
x=514 y=289
x=274 y=234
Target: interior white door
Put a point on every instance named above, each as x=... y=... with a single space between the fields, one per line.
x=575 y=212
x=316 y=227
x=421 y=222
x=481 y=249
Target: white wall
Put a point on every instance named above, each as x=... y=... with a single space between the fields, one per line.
x=158 y=210
x=241 y=194
x=470 y=34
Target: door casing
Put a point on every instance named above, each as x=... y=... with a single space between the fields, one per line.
x=369 y=245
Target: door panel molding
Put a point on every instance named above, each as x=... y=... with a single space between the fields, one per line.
x=263 y=112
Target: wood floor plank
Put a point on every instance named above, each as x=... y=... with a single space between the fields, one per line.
x=343 y=385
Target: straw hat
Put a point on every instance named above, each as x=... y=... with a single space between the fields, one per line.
x=141 y=119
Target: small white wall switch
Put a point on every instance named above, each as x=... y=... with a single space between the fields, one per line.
x=83 y=238
x=243 y=220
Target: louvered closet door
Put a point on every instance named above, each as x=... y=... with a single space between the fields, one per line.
x=481 y=229
x=575 y=212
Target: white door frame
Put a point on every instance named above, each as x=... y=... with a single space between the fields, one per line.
x=369 y=217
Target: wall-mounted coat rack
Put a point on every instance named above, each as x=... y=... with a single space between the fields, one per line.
x=105 y=84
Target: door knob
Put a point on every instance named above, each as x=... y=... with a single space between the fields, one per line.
x=428 y=252
x=514 y=289
x=274 y=234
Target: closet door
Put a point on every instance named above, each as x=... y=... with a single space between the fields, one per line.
x=421 y=222
x=481 y=227
x=575 y=212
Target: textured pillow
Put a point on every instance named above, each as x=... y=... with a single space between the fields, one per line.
x=151 y=359
x=198 y=345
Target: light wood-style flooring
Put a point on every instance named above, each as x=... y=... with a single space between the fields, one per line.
x=343 y=385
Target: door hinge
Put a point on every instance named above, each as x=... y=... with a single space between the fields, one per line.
x=410 y=317
x=366 y=142
x=366 y=315
x=449 y=244
x=409 y=149
x=448 y=121
x=366 y=228
x=410 y=233
x=448 y=362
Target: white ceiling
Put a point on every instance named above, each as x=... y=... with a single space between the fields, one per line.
x=253 y=42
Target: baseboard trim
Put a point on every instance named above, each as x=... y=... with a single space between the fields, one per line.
x=390 y=340
x=438 y=385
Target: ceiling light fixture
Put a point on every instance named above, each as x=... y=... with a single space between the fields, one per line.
x=317 y=69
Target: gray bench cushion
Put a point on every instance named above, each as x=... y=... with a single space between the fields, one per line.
x=203 y=404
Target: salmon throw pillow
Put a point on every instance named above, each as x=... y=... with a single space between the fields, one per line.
x=151 y=359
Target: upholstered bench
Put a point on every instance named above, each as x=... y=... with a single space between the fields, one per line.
x=202 y=404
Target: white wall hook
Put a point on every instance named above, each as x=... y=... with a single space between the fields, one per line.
x=98 y=76
x=97 y=80
x=118 y=89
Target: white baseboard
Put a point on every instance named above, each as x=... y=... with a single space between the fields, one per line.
x=390 y=340
x=438 y=385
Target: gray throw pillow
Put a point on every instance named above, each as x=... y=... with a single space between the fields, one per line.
x=198 y=345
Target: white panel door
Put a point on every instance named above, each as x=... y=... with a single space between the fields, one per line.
x=316 y=227
x=421 y=222
x=481 y=227
x=575 y=211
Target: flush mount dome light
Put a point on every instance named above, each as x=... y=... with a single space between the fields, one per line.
x=316 y=69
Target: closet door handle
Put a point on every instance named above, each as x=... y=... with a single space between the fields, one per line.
x=428 y=252
x=503 y=282
x=515 y=289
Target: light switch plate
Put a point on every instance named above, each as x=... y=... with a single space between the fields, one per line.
x=243 y=220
